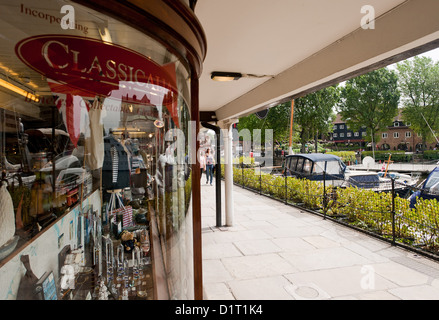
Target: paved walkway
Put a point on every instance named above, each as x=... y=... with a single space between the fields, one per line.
x=275 y=251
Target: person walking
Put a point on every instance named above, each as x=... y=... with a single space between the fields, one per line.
x=202 y=164
x=209 y=166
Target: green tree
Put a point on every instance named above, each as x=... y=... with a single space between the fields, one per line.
x=314 y=113
x=370 y=100
x=278 y=119
x=419 y=85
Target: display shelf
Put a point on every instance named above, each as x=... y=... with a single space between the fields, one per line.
x=24 y=243
x=87 y=285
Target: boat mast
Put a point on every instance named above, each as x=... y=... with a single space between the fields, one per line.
x=430 y=128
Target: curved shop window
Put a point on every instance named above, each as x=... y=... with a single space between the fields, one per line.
x=94 y=125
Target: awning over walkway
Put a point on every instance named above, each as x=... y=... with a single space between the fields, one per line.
x=304 y=45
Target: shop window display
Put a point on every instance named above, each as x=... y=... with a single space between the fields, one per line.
x=94 y=125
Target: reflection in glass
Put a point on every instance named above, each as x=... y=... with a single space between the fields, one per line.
x=89 y=110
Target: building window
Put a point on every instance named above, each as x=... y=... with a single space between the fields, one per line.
x=396 y=135
x=408 y=134
x=342 y=135
x=342 y=126
x=385 y=135
x=364 y=133
x=349 y=134
x=356 y=134
x=335 y=135
x=396 y=124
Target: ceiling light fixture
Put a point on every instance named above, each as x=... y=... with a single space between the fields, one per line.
x=230 y=76
x=24 y=93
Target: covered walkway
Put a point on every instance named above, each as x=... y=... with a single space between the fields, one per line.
x=279 y=252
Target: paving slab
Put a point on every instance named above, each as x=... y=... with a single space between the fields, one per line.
x=257 y=266
x=217 y=291
x=214 y=251
x=275 y=251
x=344 y=281
x=400 y=274
x=327 y=258
x=424 y=292
x=254 y=247
x=270 y=288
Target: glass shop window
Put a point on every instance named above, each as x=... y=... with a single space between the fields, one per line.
x=94 y=124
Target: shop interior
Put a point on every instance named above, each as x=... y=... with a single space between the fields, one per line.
x=31 y=144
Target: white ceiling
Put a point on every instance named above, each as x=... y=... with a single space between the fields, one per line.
x=270 y=37
x=303 y=43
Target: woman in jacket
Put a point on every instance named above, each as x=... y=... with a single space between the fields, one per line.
x=210 y=162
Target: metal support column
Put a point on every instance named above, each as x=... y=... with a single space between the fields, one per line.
x=217 y=170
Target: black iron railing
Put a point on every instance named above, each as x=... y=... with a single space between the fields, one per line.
x=380 y=209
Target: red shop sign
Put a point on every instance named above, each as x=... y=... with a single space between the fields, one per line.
x=96 y=67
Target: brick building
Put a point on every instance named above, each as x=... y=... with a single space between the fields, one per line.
x=398 y=136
